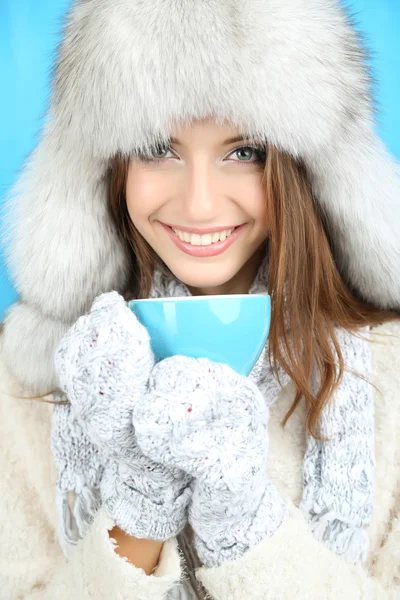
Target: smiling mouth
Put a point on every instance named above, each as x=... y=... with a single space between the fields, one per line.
x=205 y=239
x=202 y=245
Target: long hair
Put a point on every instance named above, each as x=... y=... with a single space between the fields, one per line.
x=308 y=294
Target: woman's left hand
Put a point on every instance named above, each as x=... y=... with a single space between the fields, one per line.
x=211 y=422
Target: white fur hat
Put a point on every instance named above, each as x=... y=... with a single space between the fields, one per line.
x=290 y=72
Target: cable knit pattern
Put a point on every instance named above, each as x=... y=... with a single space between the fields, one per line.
x=339 y=474
x=211 y=422
x=103 y=364
x=338 y=482
x=79 y=467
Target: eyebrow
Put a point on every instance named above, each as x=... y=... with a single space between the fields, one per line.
x=232 y=140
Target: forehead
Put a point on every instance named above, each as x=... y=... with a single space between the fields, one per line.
x=208 y=130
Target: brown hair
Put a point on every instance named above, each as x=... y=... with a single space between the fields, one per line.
x=308 y=293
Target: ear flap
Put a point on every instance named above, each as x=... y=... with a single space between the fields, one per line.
x=28 y=346
x=357 y=184
x=63 y=251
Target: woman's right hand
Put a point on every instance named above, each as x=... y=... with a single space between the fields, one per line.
x=103 y=364
x=211 y=422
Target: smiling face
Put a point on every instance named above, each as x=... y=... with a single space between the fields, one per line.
x=199 y=202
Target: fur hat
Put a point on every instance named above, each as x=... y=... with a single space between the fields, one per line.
x=291 y=73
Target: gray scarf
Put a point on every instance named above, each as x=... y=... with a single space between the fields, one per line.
x=338 y=489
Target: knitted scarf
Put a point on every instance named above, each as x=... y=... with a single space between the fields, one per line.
x=338 y=474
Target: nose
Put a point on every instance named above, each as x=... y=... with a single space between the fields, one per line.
x=201 y=194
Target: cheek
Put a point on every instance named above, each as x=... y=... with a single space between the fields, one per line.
x=248 y=190
x=254 y=203
x=260 y=207
x=143 y=195
x=257 y=210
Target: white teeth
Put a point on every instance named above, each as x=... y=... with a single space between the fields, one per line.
x=203 y=240
x=206 y=239
x=195 y=239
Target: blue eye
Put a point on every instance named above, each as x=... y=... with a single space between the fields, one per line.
x=246 y=153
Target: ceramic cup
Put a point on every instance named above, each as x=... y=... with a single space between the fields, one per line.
x=230 y=329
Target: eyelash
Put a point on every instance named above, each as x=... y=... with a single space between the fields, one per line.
x=260 y=156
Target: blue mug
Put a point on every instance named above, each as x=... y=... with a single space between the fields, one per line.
x=229 y=329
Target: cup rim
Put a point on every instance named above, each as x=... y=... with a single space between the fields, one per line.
x=211 y=297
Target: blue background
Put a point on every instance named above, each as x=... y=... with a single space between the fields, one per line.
x=29 y=31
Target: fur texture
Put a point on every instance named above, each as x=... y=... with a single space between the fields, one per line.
x=291 y=72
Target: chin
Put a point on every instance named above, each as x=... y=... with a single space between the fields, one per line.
x=203 y=276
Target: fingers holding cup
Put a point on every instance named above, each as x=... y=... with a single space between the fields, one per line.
x=203 y=418
x=103 y=364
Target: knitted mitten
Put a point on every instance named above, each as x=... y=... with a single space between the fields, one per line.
x=339 y=473
x=103 y=364
x=207 y=420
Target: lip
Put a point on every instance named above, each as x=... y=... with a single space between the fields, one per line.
x=199 y=231
x=204 y=251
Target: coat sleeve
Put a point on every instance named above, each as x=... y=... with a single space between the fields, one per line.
x=292 y=564
x=96 y=571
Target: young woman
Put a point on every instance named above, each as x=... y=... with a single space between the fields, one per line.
x=207 y=148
